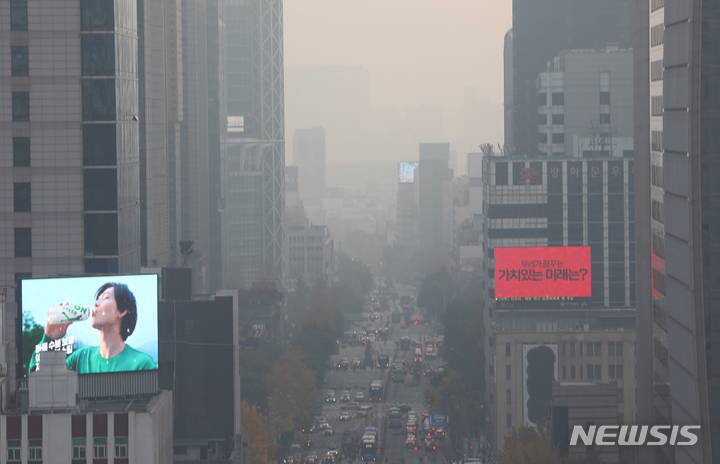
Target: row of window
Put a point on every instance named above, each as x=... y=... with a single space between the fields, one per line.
x=557 y=119
x=592 y=348
x=78 y=449
x=556 y=138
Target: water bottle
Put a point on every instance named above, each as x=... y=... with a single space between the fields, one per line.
x=67 y=312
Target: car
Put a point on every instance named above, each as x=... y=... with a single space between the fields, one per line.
x=364 y=411
x=359 y=396
x=289 y=460
x=331 y=399
x=311 y=458
x=344 y=417
x=328 y=431
x=429 y=444
x=306 y=443
x=411 y=442
x=356 y=363
x=323 y=424
x=332 y=451
x=344 y=363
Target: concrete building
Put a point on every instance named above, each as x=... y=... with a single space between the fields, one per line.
x=543 y=28
x=309 y=157
x=508 y=91
x=585 y=105
x=311 y=251
x=435 y=215
x=677 y=139
x=84 y=159
x=587 y=346
x=558 y=202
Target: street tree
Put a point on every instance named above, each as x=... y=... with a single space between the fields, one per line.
x=292 y=391
x=528 y=445
x=257 y=434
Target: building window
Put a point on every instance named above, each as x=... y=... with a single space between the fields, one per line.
x=507 y=372
x=507 y=349
x=598 y=371
x=619 y=371
x=98 y=54
x=99 y=447
x=604 y=118
x=572 y=372
x=590 y=372
x=611 y=371
x=542 y=119
x=18 y=16
x=21 y=152
x=21 y=106
x=598 y=348
x=619 y=348
x=572 y=348
x=542 y=137
x=13 y=446
x=611 y=349
x=509 y=421
x=97 y=15
x=100 y=189
x=101 y=234
x=558 y=119
x=604 y=98
x=21 y=198
x=589 y=349
x=121 y=447
x=580 y=345
x=98 y=99
x=508 y=396
x=34 y=450
x=564 y=374
x=78 y=448
x=23 y=242
x=558 y=98
x=558 y=138
x=19 y=61
x=581 y=371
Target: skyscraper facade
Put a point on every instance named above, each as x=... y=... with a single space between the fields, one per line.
x=542 y=29
x=433 y=177
x=677 y=142
x=309 y=157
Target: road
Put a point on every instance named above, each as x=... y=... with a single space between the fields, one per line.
x=409 y=394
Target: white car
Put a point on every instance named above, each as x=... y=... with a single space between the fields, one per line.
x=359 y=396
x=344 y=417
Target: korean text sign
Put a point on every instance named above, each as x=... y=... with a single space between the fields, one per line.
x=527 y=272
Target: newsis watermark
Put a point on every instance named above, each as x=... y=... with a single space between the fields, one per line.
x=635 y=435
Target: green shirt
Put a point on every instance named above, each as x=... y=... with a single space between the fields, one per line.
x=87 y=360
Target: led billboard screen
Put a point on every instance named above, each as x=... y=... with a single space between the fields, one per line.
x=542 y=272
x=103 y=323
x=407 y=172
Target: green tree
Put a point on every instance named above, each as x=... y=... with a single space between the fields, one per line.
x=255 y=368
x=455 y=395
x=32 y=334
x=463 y=347
x=527 y=445
x=293 y=392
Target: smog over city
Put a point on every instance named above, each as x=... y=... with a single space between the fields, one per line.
x=334 y=232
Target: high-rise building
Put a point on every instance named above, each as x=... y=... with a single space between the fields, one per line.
x=508 y=90
x=676 y=142
x=557 y=202
x=585 y=104
x=435 y=212
x=85 y=155
x=407 y=209
x=252 y=196
x=309 y=157
x=542 y=29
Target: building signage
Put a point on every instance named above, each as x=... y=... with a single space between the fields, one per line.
x=542 y=272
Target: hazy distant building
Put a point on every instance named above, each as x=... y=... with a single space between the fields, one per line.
x=543 y=28
x=407 y=209
x=435 y=224
x=677 y=141
x=585 y=105
x=336 y=98
x=292 y=189
x=309 y=157
x=311 y=251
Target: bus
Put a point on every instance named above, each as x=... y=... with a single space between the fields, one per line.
x=394 y=418
x=368 y=449
x=376 y=390
x=383 y=333
x=383 y=361
x=398 y=373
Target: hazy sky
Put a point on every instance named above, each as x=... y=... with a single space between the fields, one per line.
x=416 y=51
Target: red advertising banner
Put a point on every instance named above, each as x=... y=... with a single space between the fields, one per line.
x=539 y=272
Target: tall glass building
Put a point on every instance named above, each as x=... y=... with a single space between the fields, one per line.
x=677 y=140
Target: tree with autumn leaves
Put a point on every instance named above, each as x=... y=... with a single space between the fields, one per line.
x=292 y=392
x=528 y=445
x=260 y=439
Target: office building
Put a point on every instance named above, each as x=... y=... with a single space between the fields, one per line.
x=407 y=209
x=677 y=135
x=311 y=251
x=309 y=157
x=543 y=28
x=435 y=212
x=508 y=91
x=252 y=193
x=585 y=105
x=558 y=202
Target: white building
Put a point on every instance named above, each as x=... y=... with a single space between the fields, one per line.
x=311 y=250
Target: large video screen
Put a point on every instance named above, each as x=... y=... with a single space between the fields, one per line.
x=407 y=172
x=103 y=323
x=541 y=272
